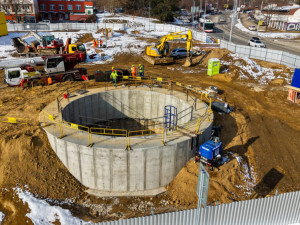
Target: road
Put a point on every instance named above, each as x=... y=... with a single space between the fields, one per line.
x=242 y=38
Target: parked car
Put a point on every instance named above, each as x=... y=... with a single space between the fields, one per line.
x=222 y=19
x=252 y=28
x=255 y=38
x=179 y=53
x=256 y=43
x=10 y=21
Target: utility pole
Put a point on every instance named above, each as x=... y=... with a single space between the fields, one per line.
x=200 y=9
x=233 y=20
x=261 y=8
x=204 y=19
x=149 y=12
x=193 y=12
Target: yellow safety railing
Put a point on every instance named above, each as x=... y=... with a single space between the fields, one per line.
x=106 y=131
x=78 y=128
x=137 y=133
x=14 y=120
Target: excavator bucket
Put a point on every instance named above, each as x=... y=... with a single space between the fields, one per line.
x=18 y=45
x=188 y=62
x=158 y=61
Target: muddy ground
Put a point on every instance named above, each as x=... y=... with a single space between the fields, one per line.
x=261 y=138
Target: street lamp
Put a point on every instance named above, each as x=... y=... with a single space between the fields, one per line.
x=233 y=19
x=261 y=7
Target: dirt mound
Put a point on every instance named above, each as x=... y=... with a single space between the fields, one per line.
x=215 y=53
x=222 y=77
x=88 y=37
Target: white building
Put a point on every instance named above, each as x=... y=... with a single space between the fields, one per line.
x=282 y=17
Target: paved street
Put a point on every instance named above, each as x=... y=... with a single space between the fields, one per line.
x=242 y=38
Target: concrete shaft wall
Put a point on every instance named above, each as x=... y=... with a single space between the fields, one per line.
x=126 y=171
x=107 y=166
x=123 y=104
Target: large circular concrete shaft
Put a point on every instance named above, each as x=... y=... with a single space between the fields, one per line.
x=106 y=167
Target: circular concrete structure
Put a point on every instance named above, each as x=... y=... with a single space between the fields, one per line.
x=106 y=167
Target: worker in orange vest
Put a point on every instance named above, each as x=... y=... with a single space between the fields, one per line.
x=95 y=43
x=133 y=71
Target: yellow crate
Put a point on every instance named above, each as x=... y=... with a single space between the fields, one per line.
x=159 y=79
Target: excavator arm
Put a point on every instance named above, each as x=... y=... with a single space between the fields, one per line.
x=32 y=34
x=162 y=48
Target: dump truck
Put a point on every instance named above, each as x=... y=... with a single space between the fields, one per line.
x=59 y=68
x=158 y=54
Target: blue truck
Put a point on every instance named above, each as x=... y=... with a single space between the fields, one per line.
x=210 y=153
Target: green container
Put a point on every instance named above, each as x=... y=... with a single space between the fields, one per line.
x=213 y=67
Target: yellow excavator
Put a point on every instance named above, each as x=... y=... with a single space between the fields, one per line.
x=157 y=54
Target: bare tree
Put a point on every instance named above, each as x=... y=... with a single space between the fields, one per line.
x=270 y=9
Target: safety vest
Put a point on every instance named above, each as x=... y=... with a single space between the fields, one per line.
x=133 y=70
x=114 y=74
x=141 y=68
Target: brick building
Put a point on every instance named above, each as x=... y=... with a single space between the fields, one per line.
x=19 y=10
x=65 y=10
x=52 y=10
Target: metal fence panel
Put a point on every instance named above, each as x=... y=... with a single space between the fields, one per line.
x=243 y=50
x=297 y=62
x=288 y=59
x=278 y=210
x=274 y=56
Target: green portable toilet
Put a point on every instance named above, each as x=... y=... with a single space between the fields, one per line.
x=213 y=67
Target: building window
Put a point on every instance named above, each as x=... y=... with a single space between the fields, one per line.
x=67 y=16
x=60 y=16
x=52 y=7
x=78 y=7
x=6 y=7
x=61 y=7
x=70 y=7
x=43 y=7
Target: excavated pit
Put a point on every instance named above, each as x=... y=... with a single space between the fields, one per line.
x=106 y=167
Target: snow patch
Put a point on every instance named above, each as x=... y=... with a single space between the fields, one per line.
x=2 y=215
x=251 y=70
x=44 y=214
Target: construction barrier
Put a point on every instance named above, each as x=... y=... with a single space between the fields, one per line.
x=14 y=120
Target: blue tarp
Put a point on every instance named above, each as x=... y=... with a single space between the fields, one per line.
x=296 y=79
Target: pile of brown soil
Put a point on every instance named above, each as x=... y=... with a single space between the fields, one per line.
x=87 y=37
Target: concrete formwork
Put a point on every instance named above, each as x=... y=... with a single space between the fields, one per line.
x=106 y=166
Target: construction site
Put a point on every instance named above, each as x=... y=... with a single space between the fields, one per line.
x=104 y=147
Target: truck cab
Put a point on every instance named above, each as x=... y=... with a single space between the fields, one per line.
x=54 y=65
x=14 y=76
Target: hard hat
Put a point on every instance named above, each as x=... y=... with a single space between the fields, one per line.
x=112 y=68
x=132 y=66
x=140 y=64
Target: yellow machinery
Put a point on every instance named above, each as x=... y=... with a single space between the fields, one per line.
x=157 y=54
x=3 y=26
